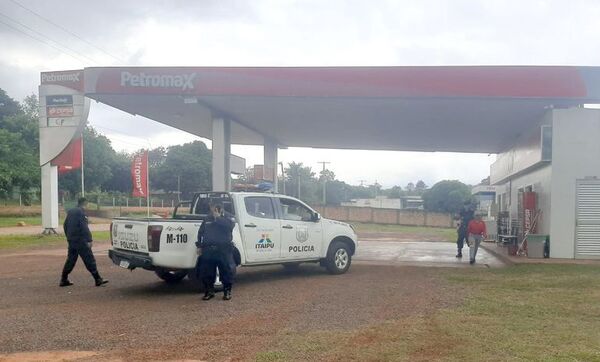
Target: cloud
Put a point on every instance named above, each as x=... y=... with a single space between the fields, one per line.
x=302 y=33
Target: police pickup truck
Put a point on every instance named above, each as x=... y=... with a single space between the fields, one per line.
x=269 y=229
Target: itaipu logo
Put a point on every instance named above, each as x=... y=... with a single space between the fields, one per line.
x=265 y=242
x=143 y=80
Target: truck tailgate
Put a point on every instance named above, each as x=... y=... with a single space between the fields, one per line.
x=130 y=235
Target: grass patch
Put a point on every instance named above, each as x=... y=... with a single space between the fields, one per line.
x=25 y=241
x=441 y=234
x=525 y=312
x=8 y=221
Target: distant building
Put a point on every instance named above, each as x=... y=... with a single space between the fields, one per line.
x=383 y=202
x=485 y=196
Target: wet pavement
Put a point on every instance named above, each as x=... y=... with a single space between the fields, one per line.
x=436 y=254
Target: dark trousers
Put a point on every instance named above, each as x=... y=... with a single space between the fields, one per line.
x=209 y=262
x=85 y=252
x=462 y=236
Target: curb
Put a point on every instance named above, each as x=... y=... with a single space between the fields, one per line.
x=493 y=249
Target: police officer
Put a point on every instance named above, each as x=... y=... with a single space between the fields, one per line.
x=216 y=251
x=80 y=240
x=465 y=215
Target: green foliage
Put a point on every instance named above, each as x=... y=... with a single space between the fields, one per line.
x=99 y=162
x=19 y=146
x=189 y=164
x=447 y=196
x=8 y=106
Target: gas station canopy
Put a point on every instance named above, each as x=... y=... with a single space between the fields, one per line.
x=455 y=109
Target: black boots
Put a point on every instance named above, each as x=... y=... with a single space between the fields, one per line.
x=210 y=294
x=64 y=282
x=99 y=280
x=459 y=255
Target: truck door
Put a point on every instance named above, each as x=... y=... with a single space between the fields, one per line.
x=260 y=229
x=301 y=234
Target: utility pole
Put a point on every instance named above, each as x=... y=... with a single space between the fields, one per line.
x=298 y=180
x=178 y=188
x=324 y=182
x=282 y=177
x=362 y=182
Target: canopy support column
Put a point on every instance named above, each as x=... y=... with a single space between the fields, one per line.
x=270 y=162
x=49 y=198
x=221 y=151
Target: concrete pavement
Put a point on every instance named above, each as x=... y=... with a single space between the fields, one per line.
x=419 y=253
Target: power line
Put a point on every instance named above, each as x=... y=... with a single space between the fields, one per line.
x=41 y=41
x=46 y=37
x=67 y=31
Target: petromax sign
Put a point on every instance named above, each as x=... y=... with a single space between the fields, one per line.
x=143 y=80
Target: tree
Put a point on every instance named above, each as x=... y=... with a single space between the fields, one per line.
x=8 y=106
x=302 y=178
x=19 y=165
x=327 y=175
x=157 y=156
x=337 y=192
x=420 y=186
x=446 y=196
x=120 y=179
x=99 y=162
x=19 y=146
x=393 y=193
x=190 y=164
x=410 y=187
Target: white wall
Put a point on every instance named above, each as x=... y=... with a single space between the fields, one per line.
x=575 y=155
x=541 y=180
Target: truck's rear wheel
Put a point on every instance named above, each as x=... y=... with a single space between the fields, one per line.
x=171 y=277
x=338 y=258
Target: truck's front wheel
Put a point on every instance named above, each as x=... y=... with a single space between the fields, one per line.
x=171 y=277
x=338 y=258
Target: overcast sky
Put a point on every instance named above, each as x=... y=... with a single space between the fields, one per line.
x=293 y=33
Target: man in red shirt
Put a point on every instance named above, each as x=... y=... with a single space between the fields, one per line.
x=477 y=233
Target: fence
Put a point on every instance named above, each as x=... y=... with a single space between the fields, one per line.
x=104 y=200
x=387 y=216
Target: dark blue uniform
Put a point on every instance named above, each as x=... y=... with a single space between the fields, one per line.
x=215 y=239
x=78 y=236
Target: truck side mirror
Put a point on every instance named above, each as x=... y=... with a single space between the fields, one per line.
x=316 y=217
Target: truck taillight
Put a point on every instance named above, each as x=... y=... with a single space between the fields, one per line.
x=154 y=232
x=111 y=233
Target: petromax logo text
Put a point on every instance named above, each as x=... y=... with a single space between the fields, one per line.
x=183 y=81
x=60 y=77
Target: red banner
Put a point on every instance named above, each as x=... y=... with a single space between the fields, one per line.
x=139 y=174
x=70 y=158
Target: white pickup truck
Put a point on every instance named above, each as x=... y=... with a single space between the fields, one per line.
x=270 y=229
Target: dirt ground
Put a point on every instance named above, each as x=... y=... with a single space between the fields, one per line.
x=138 y=317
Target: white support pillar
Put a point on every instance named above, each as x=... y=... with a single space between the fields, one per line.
x=221 y=151
x=49 y=198
x=270 y=162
